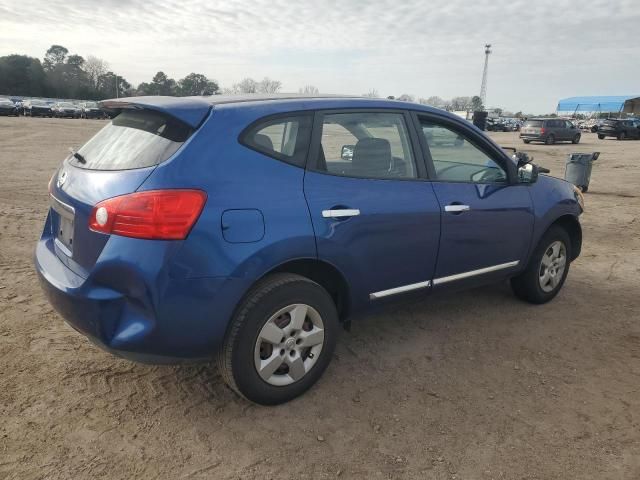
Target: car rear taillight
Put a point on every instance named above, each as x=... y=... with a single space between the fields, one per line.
x=542 y=130
x=155 y=214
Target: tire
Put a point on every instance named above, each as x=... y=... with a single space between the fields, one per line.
x=273 y=299
x=622 y=136
x=527 y=141
x=601 y=137
x=528 y=286
x=550 y=140
x=584 y=188
x=576 y=139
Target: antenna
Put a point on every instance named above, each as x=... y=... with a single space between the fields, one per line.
x=483 y=87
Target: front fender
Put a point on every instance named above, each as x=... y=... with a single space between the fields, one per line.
x=553 y=200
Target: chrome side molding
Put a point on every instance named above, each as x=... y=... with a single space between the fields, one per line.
x=473 y=273
x=439 y=281
x=403 y=289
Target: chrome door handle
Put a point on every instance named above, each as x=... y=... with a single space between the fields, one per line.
x=457 y=208
x=340 y=212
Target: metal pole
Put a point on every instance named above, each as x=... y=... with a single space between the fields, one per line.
x=117 y=89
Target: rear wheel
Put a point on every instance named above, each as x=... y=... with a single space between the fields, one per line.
x=550 y=140
x=547 y=269
x=576 y=139
x=622 y=136
x=601 y=137
x=280 y=340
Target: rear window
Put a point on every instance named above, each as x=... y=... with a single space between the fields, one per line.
x=534 y=123
x=284 y=138
x=133 y=139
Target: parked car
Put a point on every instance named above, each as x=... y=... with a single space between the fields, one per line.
x=66 y=110
x=91 y=110
x=549 y=131
x=36 y=108
x=7 y=107
x=250 y=230
x=497 y=125
x=620 y=129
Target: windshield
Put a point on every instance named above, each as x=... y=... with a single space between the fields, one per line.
x=133 y=139
x=534 y=123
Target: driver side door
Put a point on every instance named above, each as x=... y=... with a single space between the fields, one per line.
x=487 y=221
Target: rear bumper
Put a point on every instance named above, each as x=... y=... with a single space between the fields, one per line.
x=142 y=316
x=532 y=136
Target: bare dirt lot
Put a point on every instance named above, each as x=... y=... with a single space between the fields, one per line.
x=475 y=385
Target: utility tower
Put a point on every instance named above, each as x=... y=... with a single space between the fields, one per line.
x=483 y=88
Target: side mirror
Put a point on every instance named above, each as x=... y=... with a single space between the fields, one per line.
x=528 y=173
x=347 y=152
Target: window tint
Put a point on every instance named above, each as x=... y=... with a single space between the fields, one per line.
x=456 y=159
x=133 y=139
x=283 y=138
x=533 y=123
x=367 y=145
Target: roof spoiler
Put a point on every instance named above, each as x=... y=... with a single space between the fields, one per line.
x=192 y=111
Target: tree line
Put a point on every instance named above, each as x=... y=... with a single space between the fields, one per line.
x=62 y=74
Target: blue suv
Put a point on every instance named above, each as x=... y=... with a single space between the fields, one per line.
x=251 y=229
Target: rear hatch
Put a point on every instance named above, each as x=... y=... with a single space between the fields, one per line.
x=116 y=161
x=532 y=127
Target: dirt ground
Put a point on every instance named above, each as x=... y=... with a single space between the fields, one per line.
x=475 y=385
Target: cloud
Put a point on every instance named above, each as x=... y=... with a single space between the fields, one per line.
x=542 y=49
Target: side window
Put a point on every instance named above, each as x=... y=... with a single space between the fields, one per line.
x=283 y=138
x=456 y=159
x=366 y=145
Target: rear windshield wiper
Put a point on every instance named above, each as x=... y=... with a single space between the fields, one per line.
x=76 y=155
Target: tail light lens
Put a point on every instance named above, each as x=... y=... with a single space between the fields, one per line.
x=542 y=130
x=156 y=214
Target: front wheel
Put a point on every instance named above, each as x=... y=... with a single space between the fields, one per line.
x=601 y=137
x=576 y=139
x=280 y=340
x=527 y=141
x=550 y=140
x=547 y=269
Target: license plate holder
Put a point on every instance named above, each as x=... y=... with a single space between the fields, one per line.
x=65 y=224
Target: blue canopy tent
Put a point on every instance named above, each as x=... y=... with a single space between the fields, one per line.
x=619 y=103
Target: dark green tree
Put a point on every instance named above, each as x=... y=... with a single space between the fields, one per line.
x=21 y=75
x=55 y=56
x=197 y=84
x=476 y=104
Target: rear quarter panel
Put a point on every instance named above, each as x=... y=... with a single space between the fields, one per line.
x=237 y=178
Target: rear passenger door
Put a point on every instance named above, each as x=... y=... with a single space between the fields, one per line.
x=374 y=213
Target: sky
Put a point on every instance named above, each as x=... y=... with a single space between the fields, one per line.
x=543 y=50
